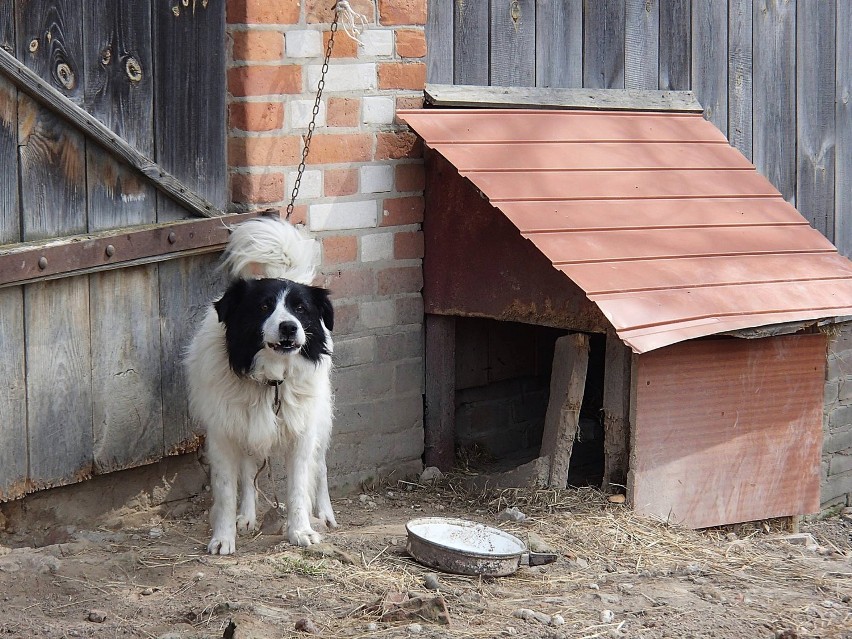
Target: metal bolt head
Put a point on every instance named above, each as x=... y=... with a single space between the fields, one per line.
x=42 y=262
x=110 y=250
x=172 y=237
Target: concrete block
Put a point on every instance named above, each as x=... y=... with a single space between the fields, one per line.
x=301 y=112
x=377 y=43
x=394 y=413
x=377 y=178
x=355 y=351
x=344 y=77
x=342 y=215
x=840 y=463
x=401 y=345
x=408 y=377
x=836 y=486
x=303 y=44
x=378 y=110
x=367 y=380
x=837 y=440
x=310 y=187
x=378 y=314
x=844 y=389
x=840 y=418
x=832 y=393
x=376 y=247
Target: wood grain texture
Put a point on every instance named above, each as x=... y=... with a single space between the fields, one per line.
x=843 y=123
x=59 y=383
x=439 y=419
x=189 y=101
x=10 y=223
x=128 y=411
x=740 y=101
x=439 y=35
x=774 y=72
x=616 y=395
x=603 y=46
x=119 y=94
x=471 y=28
x=815 y=126
x=512 y=55
x=13 y=396
x=559 y=43
x=641 y=44
x=710 y=59
x=675 y=45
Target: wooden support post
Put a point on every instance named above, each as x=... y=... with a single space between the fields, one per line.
x=616 y=398
x=567 y=383
x=440 y=391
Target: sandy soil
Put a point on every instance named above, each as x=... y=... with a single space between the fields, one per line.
x=144 y=574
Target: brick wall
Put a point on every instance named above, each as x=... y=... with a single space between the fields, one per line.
x=361 y=195
x=837 y=436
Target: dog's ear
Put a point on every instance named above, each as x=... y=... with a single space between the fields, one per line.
x=230 y=299
x=323 y=302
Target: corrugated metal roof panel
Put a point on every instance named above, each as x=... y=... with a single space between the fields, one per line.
x=665 y=226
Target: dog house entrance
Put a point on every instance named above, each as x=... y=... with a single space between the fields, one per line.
x=502 y=391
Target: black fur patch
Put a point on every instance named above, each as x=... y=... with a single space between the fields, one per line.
x=247 y=304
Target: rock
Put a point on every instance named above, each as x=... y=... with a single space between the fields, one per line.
x=616 y=499
x=430 y=581
x=577 y=564
x=363 y=498
x=96 y=616
x=372 y=626
x=607 y=616
x=731 y=536
x=147 y=591
x=511 y=514
x=329 y=551
x=557 y=620
x=417 y=608
x=415 y=628
x=155 y=533
x=537 y=544
x=532 y=615
x=307 y=626
x=799 y=539
x=510 y=631
x=594 y=587
x=607 y=598
x=430 y=473
x=273 y=522
x=625 y=587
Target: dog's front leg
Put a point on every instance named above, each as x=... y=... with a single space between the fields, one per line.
x=300 y=483
x=224 y=468
x=247 y=517
x=322 y=502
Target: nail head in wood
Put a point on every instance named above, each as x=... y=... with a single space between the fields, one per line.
x=110 y=250
x=42 y=262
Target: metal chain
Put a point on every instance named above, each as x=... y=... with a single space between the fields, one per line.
x=313 y=122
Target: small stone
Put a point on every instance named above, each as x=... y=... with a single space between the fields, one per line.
x=799 y=539
x=557 y=620
x=511 y=514
x=532 y=615
x=155 y=533
x=607 y=616
x=731 y=536
x=329 y=551
x=537 y=544
x=307 y=626
x=625 y=587
x=430 y=473
x=273 y=522
x=608 y=598
x=372 y=626
x=616 y=499
x=415 y=628
x=430 y=581
x=147 y=591
x=363 y=498
x=510 y=631
x=594 y=587
x=97 y=616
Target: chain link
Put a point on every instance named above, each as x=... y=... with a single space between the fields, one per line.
x=313 y=122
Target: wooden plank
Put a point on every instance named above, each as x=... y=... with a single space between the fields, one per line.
x=616 y=397
x=59 y=383
x=513 y=34
x=843 y=122
x=642 y=44
x=51 y=154
x=128 y=411
x=439 y=35
x=815 y=92
x=470 y=38
x=561 y=98
x=603 y=46
x=440 y=415
x=710 y=59
x=13 y=396
x=675 y=45
x=119 y=94
x=562 y=420
x=774 y=60
x=10 y=221
x=740 y=75
x=190 y=132
x=559 y=43
x=187 y=287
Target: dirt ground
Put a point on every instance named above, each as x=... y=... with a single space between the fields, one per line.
x=145 y=574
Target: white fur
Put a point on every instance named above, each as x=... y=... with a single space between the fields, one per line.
x=242 y=427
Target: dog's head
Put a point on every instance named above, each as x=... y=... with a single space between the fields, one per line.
x=281 y=317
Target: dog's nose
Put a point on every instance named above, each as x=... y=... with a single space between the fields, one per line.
x=288 y=329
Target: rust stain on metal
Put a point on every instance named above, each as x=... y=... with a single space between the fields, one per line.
x=190 y=445
x=653 y=217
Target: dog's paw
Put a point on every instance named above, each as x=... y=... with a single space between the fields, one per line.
x=304 y=537
x=327 y=518
x=222 y=546
x=246 y=524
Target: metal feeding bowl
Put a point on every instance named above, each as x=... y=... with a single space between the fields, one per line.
x=469 y=548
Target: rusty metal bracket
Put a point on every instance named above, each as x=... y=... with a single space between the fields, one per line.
x=81 y=254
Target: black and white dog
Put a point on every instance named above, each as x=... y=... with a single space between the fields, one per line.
x=259 y=381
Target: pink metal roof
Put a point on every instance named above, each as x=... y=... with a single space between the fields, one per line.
x=665 y=226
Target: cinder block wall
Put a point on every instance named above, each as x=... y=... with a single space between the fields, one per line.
x=837 y=441
x=361 y=195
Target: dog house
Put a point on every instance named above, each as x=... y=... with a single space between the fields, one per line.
x=626 y=220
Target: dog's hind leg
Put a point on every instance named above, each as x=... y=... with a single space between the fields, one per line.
x=224 y=469
x=247 y=516
x=300 y=486
x=322 y=502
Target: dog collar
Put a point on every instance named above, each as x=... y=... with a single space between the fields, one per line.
x=276 y=402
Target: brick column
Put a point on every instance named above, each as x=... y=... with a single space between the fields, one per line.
x=361 y=195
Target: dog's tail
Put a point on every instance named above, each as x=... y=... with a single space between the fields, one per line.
x=269 y=247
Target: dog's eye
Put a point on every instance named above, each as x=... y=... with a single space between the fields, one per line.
x=300 y=308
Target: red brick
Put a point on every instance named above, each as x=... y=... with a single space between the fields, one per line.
x=344 y=46
x=408 y=245
x=345 y=318
x=257 y=188
x=402 y=75
x=410 y=177
x=299 y=215
x=410 y=43
x=402 y=210
x=256 y=116
x=339 y=248
x=265 y=80
x=258 y=45
x=407 y=102
x=322 y=11
x=340 y=182
x=342 y=112
x=262 y=12
x=397 y=146
x=350 y=283
x=404 y=279
x=340 y=148
x=403 y=11
x=266 y=151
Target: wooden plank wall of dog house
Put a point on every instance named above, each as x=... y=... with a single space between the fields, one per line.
x=641 y=53
x=470 y=55
x=512 y=51
x=603 y=49
x=675 y=45
x=190 y=133
x=843 y=134
x=559 y=43
x=127 y=403
x=53 y=203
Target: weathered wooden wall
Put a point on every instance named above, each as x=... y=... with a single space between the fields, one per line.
x=774 y=75
x=92 y=362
